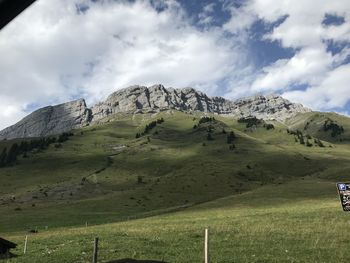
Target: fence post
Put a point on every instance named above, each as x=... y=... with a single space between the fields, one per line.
x=25 y=245
x=206 y=247
x=94 y=259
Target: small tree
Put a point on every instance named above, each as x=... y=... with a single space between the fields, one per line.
x=3 y=157
x=232 y=147
x=210 y=128
x=140 y=179
x=231 y=137
x=269 y=126
x=12 y=154
x=209 y=137
x=318 y=143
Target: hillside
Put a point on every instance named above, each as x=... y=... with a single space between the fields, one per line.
x=104 y=174
x=326 y=126
x=164 y=177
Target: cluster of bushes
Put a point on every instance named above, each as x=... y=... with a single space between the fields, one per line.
x=250 y=121
x=318 y=142
x=269 y=126
x=206 y=119
x=64 y=137
x=210 y=130
x=149 y=127
x=299 y=137
x=203 y=120
x=330 y=125
x=9 y=157
x=230 y=140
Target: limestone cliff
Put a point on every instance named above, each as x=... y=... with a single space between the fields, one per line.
x=140 y=99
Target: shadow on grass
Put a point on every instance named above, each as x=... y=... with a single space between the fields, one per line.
x=7 y=256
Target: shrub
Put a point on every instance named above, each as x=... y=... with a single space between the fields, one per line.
x=209 y=137
x=232 y=147
x=269 y=126
x=231 y=137
x=140 y=179
x=250 y=121
x=330 y=125
x=206 y=119
x=318 y=142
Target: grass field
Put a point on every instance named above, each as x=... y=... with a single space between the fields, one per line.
x=300 y=221
x=270 y=199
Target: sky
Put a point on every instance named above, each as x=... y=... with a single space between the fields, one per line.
x=61 y=50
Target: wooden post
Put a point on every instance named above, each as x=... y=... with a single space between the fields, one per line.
x=25 y=245
x=94 y=259
x=206 y=247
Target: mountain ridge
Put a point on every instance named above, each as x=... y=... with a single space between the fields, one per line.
x=60 y=118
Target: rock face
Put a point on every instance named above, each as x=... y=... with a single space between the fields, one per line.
x=270 y=107
x=137 y=99
x=157 y=98
x=140 y=99
x=50 y=120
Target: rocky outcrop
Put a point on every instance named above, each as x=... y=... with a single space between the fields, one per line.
x=157 y=98
x=50 y=120
x=140 y=99
x=270 y=107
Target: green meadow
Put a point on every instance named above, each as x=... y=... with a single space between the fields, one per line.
x=266 y=199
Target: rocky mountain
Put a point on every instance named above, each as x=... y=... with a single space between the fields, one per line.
x=140 y=99
x=50 y=120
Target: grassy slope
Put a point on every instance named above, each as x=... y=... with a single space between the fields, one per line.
x=315 y=122
x=299 y=221
x=179 y=172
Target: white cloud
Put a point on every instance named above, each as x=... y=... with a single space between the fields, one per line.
x=206 y=16
x=332 y=92
x=307 y=66
x=241 y=19
x=301 y=28
x=50 y=53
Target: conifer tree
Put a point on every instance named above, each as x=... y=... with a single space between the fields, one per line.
x=3 y=156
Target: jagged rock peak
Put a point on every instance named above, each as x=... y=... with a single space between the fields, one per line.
x=141 y=99
x=269 y=107
x=157 y=98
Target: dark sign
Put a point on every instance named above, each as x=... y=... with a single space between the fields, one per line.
x=344 y=194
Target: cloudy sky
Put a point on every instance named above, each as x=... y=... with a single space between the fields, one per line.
x=60 y=50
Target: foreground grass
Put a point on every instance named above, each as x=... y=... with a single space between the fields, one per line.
x=300 y=221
